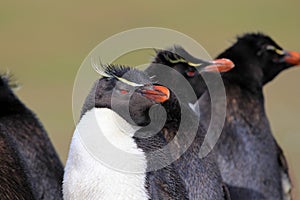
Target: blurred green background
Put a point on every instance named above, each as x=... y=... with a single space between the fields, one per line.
x=44 y=42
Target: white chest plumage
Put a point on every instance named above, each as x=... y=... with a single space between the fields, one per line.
x=87 y=178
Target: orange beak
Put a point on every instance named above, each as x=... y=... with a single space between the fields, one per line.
x=292 y=57
x=159 y=94
x=219 y=65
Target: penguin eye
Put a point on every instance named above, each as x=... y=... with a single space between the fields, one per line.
x=124 y=91
x=190 y=73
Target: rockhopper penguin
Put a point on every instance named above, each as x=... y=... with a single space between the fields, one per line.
x=201 y=175
x=250 y=159
x=120 y=89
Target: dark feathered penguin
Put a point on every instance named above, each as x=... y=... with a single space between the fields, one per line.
x=15 y=183
x=201 y=175
x=26 y=145
x=248 y=155
x=104 y=113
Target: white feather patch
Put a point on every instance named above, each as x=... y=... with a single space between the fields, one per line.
x=89 y=179
x=195 y=108
x=286 y=186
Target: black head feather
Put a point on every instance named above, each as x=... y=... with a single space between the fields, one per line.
x=9 y=80
x=258 y=40
x=176 y=55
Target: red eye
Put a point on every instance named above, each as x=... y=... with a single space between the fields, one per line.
x=190 y=73
x=124 y=91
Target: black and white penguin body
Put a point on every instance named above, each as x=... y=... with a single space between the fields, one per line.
x=104 y=113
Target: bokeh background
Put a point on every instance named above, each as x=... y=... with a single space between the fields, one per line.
x=44 y=42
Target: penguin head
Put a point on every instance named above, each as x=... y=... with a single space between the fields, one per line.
x=258 y=58
x=179 y=59
x=128 y=91
x=190 y=67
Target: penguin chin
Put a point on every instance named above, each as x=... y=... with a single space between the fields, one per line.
x=135 y=116
x=140 y=120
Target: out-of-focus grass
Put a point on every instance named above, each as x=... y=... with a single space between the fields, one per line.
x=44 y=42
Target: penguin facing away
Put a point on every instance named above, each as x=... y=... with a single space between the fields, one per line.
x=87 y=177
x=26 y=148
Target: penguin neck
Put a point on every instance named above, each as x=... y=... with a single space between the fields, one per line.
x=98 y=139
